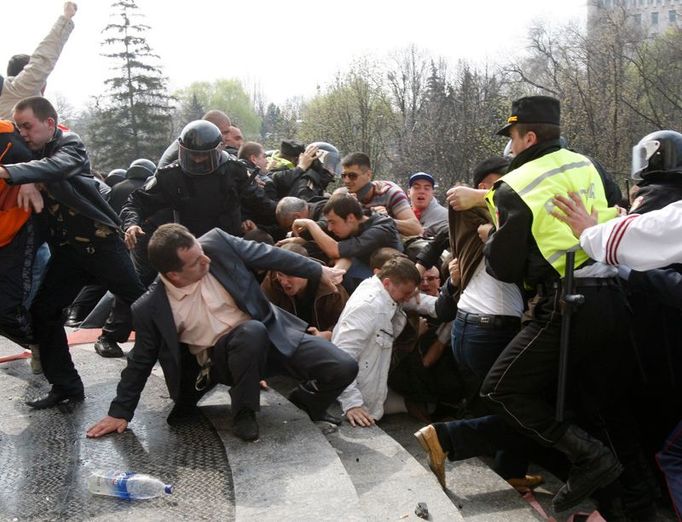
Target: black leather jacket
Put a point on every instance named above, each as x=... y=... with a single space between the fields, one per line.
x=64 y=168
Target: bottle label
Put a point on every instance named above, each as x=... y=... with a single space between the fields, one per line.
x=120 y=484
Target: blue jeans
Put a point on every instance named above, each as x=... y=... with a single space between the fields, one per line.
x=475 y=349
x=40 y=261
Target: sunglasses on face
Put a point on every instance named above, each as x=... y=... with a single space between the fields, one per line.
x=350 y=175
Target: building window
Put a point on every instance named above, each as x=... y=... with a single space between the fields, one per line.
x=638 y=20
x=672 y=16
x=654 y=18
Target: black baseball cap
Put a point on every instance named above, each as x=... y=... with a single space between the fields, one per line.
x=533 y=109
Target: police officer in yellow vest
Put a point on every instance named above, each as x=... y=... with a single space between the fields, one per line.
x=528 y=247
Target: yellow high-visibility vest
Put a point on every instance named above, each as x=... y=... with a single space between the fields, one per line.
x=538 y=182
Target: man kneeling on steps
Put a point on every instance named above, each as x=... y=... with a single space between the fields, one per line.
x=207 y=321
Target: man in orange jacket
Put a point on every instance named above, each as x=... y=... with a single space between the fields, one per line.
x=20 y=233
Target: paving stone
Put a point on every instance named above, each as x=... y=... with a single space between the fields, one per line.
x=45 y=457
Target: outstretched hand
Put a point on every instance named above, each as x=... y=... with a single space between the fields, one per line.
x=105 y=426
x=574 y=213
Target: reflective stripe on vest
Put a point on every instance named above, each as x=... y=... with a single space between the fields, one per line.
x=538 y=182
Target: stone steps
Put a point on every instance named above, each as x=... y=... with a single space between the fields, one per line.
x=388 y=480
x=478 y=492
x=291 y=472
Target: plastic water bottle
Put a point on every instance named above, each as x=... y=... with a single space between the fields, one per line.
x=127 y=485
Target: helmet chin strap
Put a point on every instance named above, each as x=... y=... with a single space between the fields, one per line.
x=363 y=192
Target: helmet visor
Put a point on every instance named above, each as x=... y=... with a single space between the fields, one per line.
x=641 y=156
x=199 y=162
x=330 y=161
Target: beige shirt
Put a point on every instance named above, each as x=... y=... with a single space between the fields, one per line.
x=203 y=312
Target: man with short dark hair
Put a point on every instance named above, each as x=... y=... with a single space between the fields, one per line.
x=357 y=235
x=83 y=235
x=207 y=321
x=384 y=197
x=253 y=156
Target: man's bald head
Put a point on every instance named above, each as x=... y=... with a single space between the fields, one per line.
x=222 y=121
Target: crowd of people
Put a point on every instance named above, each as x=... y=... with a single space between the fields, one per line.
x=534 y=317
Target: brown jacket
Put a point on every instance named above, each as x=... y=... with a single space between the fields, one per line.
x=329 y=301
x=464 y=241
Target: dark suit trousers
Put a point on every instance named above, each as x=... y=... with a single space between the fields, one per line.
x=325 y=369
x=245 y=355
x=238 y=360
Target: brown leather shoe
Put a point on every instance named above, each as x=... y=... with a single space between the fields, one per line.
x=526 y=484
x=428 y=438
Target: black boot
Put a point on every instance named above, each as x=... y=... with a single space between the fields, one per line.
x=108 y=348
x=594 y=467
x=75 y=317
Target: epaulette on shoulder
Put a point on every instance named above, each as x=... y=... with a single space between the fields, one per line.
x=167 y=168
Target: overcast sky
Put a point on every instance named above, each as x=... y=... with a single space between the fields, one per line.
x=287 y=48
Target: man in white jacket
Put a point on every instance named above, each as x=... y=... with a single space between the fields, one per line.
x=27 y=75
x=369 y=324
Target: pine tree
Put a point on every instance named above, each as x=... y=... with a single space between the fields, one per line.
x=134 y=119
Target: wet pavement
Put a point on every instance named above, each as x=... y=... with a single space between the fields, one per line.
x=45 y=457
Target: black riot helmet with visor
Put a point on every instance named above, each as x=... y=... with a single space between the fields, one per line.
x=658 y=152
x=200 y=148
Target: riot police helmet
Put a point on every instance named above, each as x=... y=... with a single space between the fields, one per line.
x=141 y=168
x=200 y=148
x=115 y=176
x=658 y=152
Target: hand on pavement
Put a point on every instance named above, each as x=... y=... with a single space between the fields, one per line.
x=107 y=425
x=359 y=416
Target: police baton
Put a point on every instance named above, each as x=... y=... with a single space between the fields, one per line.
x=569 y=303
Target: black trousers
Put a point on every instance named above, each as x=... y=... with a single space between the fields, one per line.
x=521 y=385
x=244 y=356
x=16 y=262
x=70 y=268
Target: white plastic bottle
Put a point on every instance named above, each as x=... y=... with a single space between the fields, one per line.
x=126 y=484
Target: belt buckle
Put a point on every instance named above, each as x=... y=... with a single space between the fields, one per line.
x=485 y=319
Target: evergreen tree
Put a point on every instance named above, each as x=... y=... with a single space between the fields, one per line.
x=134 y=119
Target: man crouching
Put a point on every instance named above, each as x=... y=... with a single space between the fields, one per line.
x=207 y=321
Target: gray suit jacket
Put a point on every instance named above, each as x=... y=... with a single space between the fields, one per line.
x=232 y=260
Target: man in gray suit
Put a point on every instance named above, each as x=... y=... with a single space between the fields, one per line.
x=206 y=320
